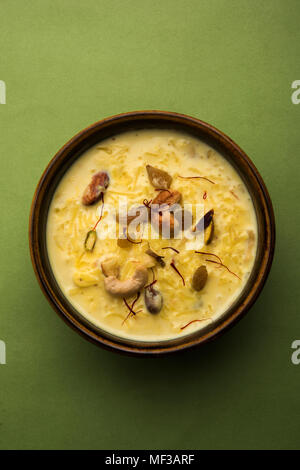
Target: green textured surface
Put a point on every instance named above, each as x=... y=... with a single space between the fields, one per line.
x=67 y=64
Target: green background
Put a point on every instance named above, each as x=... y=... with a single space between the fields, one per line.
x=67 y=64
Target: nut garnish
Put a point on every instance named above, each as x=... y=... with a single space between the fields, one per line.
x=158 y=178
x=199 y=278
x=167 y=197
x=90 y=240
x=153 y=299
x=94 y=190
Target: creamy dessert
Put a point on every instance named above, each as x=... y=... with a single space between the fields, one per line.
x=180 y=256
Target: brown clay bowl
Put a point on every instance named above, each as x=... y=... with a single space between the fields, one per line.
x=141 y=120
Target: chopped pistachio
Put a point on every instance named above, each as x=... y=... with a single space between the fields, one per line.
x=90 y=240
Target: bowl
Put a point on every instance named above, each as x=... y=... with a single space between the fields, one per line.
x=143 y=120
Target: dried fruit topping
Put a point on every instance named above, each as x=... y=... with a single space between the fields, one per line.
x=209 y=233
x=205 y=221
x=158 y=178
x=90 y=240
x=167 y=197
x=157 y=257
x=199 y=278
x=153 y=299
x=94 y=190
x=161 y=217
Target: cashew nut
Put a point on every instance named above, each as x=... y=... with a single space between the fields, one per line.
x=129 y=287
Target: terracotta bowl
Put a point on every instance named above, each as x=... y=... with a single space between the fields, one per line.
x=141 y=120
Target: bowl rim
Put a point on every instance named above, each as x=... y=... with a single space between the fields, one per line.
x=136 y=347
